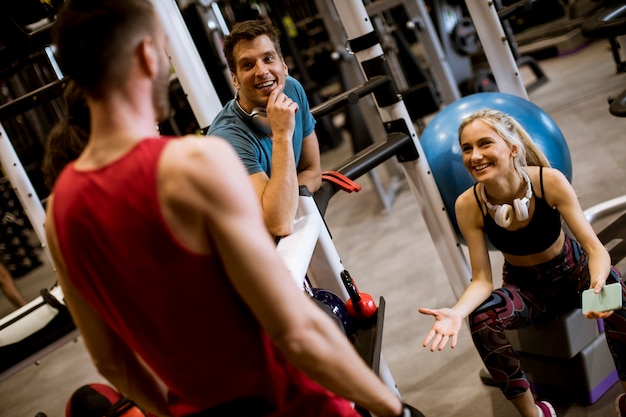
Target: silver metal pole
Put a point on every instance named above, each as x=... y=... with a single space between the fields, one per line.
x=359 y=29
x=190 y=70
x=434 y=55
x=496 y=47
x=23 y=187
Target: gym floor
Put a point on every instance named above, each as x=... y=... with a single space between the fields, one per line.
x=390 y=253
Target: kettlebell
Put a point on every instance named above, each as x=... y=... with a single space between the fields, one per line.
x=360 y=305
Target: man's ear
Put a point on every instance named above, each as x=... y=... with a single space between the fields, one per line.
x=233 y=78
x=148 y=56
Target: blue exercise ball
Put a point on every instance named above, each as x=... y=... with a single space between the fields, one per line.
x=441 y=143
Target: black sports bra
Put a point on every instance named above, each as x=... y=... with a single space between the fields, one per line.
x=539 y=234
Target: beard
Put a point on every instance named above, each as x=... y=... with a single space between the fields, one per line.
x=161 y=92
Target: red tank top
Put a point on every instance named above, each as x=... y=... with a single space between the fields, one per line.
x=174 y=308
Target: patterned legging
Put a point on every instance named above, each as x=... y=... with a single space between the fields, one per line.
x=532 y=294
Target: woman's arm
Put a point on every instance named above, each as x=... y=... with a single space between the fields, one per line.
x=448 y=321
x=561 y=195
x=309 y=168
x=470 y=221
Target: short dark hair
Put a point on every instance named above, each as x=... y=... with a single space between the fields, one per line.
x=96 y=38
x=247 y=31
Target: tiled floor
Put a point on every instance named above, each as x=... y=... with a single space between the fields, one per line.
x=391 y=254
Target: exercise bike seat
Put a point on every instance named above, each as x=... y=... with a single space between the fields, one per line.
x=609 y=22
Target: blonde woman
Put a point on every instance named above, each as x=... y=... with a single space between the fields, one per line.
x=517 y=203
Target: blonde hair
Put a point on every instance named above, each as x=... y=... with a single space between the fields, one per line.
x=513 y=133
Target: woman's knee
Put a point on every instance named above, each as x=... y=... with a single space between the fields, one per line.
x=498 y=307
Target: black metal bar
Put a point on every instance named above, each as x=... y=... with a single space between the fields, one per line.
x=374 y=155
x=22 y=315
x=504 y=12
x=33 y=99
x=350 y=96
x=362 y=163
x=608 y=22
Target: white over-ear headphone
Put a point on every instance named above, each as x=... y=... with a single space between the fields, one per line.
x=503 y=213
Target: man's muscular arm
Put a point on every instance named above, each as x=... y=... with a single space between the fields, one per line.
x=309 y=169
x=279 y=194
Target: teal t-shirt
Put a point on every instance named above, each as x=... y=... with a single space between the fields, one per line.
x=255 y=147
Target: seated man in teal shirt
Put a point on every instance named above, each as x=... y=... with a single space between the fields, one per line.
x=269 y=123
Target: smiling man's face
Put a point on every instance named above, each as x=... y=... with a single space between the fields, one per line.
x=259 y=70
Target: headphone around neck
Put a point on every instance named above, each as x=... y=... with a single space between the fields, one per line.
x=258 y=117
x=503 y=212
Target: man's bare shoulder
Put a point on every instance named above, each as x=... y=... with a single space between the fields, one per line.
x=200 y=165
x=198 y=155
x=192 y=148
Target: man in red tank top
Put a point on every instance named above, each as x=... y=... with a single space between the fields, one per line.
x=163 y=255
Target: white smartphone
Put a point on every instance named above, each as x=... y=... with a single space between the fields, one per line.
x=610 y=298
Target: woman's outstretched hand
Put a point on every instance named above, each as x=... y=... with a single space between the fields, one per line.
x=446 y=328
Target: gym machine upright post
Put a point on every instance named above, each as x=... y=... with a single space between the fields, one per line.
x=309 y=252
x=443 y=89
x=42 y=325
x=366 y=47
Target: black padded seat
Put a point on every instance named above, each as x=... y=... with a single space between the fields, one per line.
x=609 y=22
